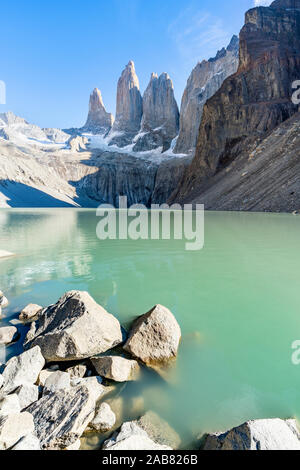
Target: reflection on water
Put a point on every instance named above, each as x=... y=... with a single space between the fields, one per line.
x=237 y=302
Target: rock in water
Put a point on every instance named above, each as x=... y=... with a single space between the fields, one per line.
x=3 y=300
x=98 y=121
x=30 y=312
x=8 y=334
x=129 y=108
x=116 y=368
x=252 y=102
x=160 y=123
x=155 y=336
x=104 y=419
x=23 y=369
x=76 y=327
x=13 y=428
x=265 y=434
x=206 y=78
x=159 y=430
x=61 y=418
x=132 y=437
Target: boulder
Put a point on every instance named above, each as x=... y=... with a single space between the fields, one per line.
x=10 y=405
x=23 y=369
x=43 y=376
x=61 y=418
x=132 y=437
x=57 y=381
x=154 y=337
x=75 y=446
x=264 y=434
x=8 y=334
x=116 y=368
x=94 y=385
x=159 y=430
x=78 y=371
x=29 y=442
x=13 y=427
x=104 y=419
x=31 y=312
x=27 y=394
x=76 y=327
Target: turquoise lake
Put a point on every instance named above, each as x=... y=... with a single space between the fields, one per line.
x=237 y=302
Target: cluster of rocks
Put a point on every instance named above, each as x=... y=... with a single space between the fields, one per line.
x=58 y=388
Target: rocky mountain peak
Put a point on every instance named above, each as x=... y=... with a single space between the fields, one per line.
x=160 y=123
x=287 y=4
x=129 y=106
x=206 y=78
x=98 y=121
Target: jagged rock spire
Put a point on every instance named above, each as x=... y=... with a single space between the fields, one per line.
x=129 y=102
x=287 y=4
x=98 y=119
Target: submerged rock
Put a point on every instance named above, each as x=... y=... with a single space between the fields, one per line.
x=116 y=368
x=30 y=312
x=265 y=434
x=132 y=437
x=23 y=369
x=8 y=334
x=76 y=327
x=159 y=430
x=104 y=419
x=61 y=418
x=155 y=336
x=13 y=428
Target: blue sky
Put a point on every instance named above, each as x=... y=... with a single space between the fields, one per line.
x=55 y=52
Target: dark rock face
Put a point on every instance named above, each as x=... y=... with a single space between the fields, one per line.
x=160 y=123
x=252 y=102
x=98 y=121
x=206 y=78
x=129 y=107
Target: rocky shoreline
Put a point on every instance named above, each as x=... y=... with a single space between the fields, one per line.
x=66 y=383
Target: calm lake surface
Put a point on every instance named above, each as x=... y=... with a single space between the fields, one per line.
x=237 y=302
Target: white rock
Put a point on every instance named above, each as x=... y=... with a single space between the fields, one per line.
x=78 y=371
x=93 y=384
x=57 y=381
x=264 y=434
x=1 y=380
x=104 y=419
x=155 y=336
x=132 y=437
x=30 y=312
x=116 y=368
x=8 y=334
x=75 y=328
x=13 y=428
x=159 y=430
x=61 y=418
x=29 y=442
x=75 y=446
x=23 y=369
x=27 y=394
x=10 y=405
x=3 y=300
x=43 y=376
x=5 y=254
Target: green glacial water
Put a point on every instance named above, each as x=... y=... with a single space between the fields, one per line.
x=237 y=302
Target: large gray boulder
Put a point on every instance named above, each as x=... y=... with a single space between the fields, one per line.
x=159 y=430
x=264 y=434
x=76 y=327
x=61 y=418
x=30 y=312
x=98 y=121
x=13 y=427
x=22 y=369
x=57 y=381
x=116 y=368
x=132 y=437
x=154 y=337
x=104 y=419
x=160 y=123
x=129 y=108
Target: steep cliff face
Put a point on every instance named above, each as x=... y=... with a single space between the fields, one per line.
x=255 y=100
x=160 y=123
x=98 y=121
x=129 y=108
x=206 y=78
